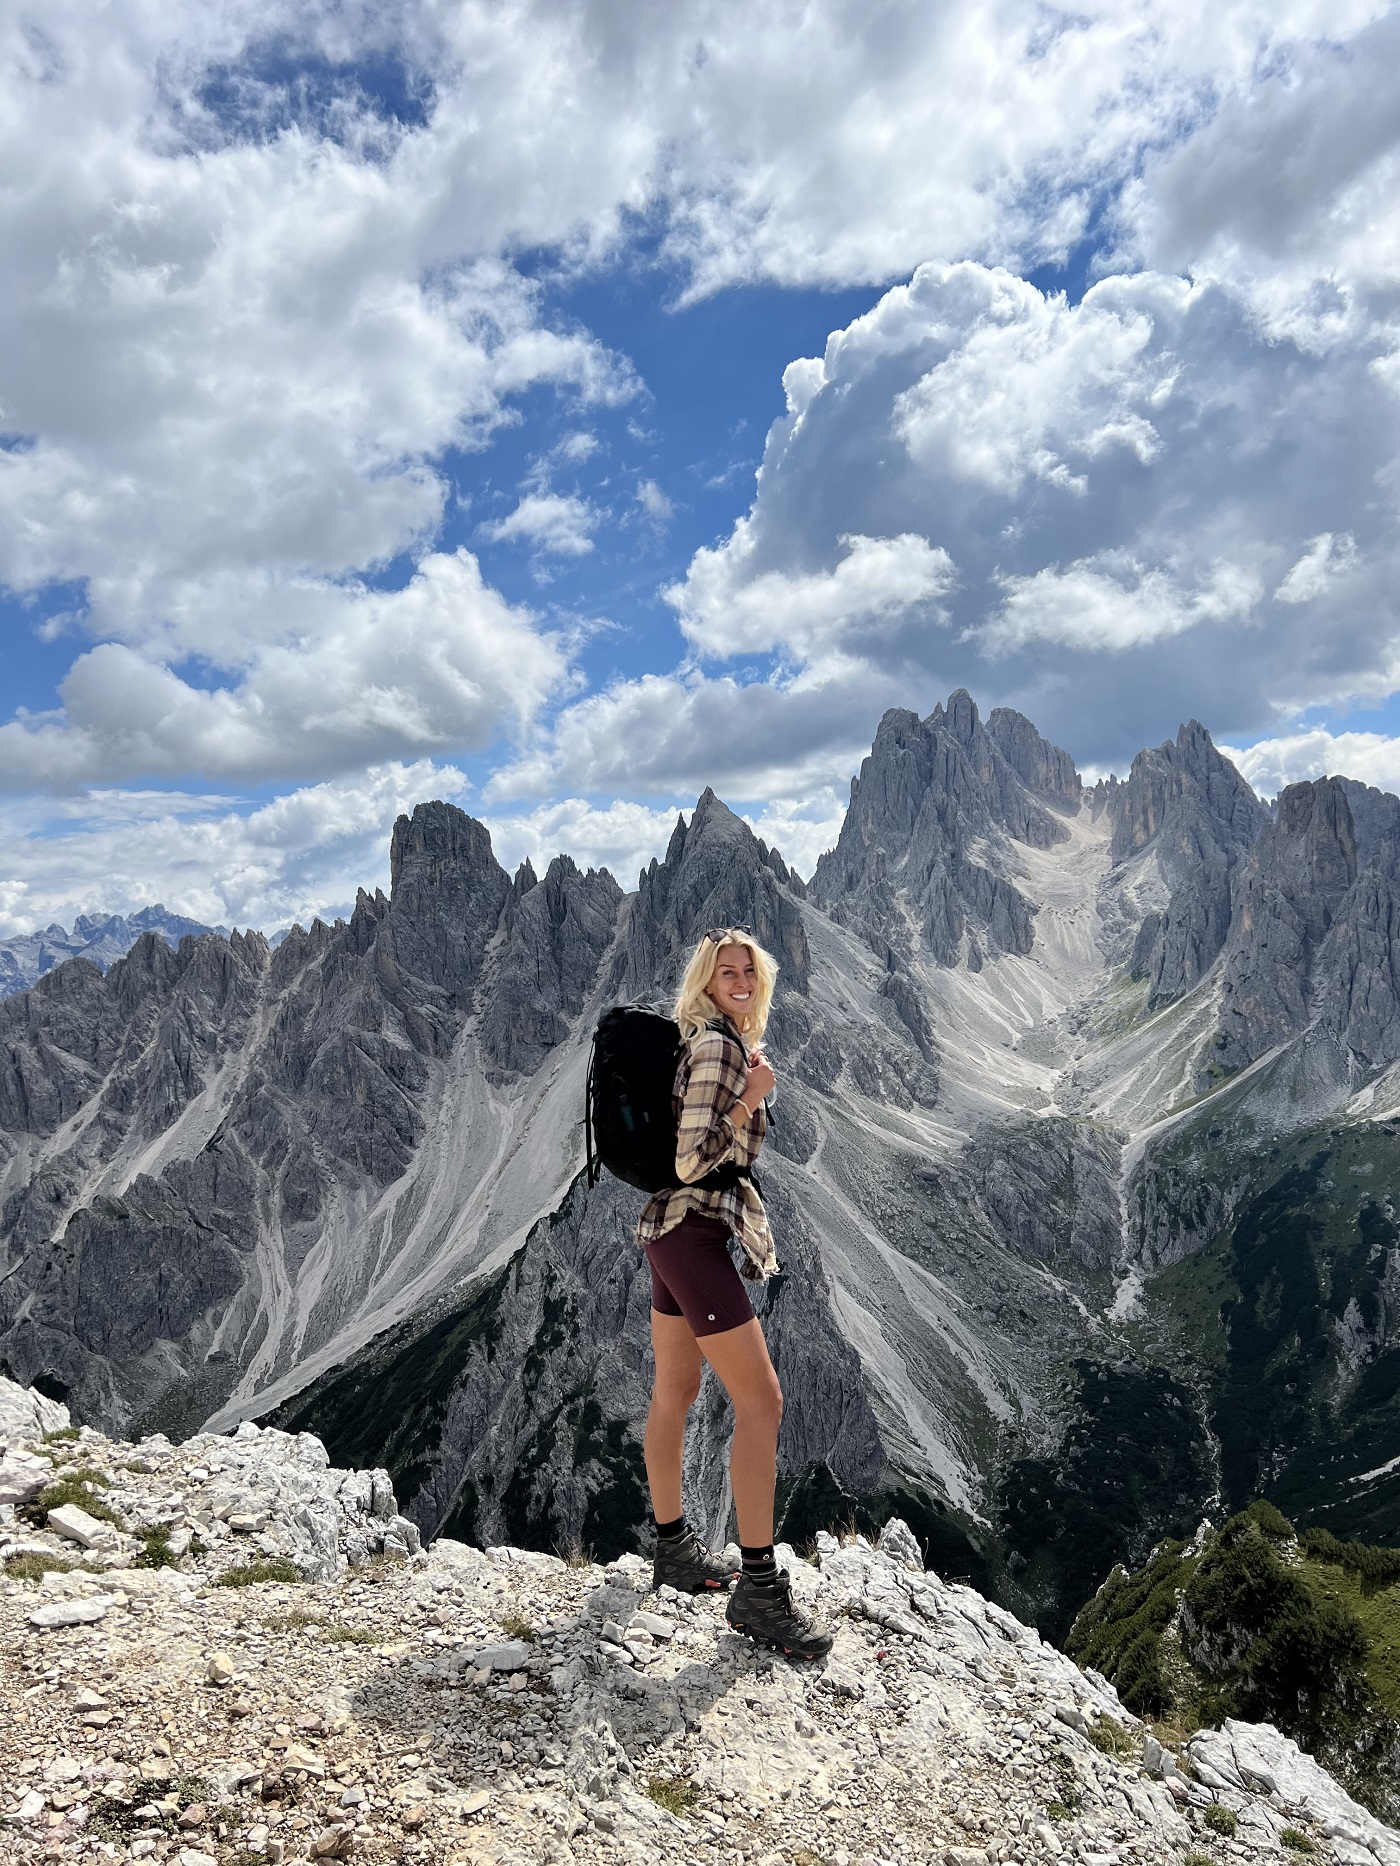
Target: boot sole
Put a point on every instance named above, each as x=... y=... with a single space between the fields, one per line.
x=776 y=1645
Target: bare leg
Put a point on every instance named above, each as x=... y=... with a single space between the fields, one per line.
x=740 y=1359
x=673 y=1393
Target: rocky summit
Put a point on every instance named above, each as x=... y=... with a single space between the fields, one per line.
x=101 y=938
x=237 y=1653
x=1084 y=1170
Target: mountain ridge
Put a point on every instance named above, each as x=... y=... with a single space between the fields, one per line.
x=254 y=1654
x=1040 y=1050
x=102 y=938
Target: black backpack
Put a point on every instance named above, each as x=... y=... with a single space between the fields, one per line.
x=629 y=1119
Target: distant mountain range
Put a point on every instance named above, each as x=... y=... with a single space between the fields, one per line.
x=1085 y=1176
x=103 y=938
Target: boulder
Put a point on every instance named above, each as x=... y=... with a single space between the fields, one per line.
x=22 y=1475
x=72 y=1612
x=75 y=1525
x=507 y=1657
x=25 y=1414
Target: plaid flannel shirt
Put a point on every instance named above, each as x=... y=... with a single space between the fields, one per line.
x=709 y=1081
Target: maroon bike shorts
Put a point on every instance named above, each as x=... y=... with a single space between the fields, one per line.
x=693 y=1274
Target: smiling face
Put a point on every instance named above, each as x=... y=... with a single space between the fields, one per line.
x=734 y=983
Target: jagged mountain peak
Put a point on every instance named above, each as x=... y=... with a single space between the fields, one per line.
x=1375 y=816
x=102 y=938
x=959 y=716
x=1308 y=851
x=916 y=858
x=369 y=913
x=1039 y=764
x=158 y=919
x=1195 y=744
x=556 y=933
x=713 y=817
x=1187 y=799
x=436 y=840
x=1185 y=814
x=951 y=764
x=716 y=872
x=1318 y=810
x=564 y=873
x=446 y=895
x=712 y=825
x=148 y=962
x=208 y=968
x=1046 y=768
x=252 y=947
x=1289 y=893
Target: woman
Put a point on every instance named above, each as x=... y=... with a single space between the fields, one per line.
x=700 y=1310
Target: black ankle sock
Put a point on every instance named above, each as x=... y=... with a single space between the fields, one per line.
x=759 y=1564
x=669 y=1532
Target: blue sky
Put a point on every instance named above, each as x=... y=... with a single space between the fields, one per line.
x=384 y=397
x=710 y=386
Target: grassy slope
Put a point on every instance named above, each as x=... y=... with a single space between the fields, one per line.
x=1261 y=1364
x=1379 y=1615
x=1254 y=1622
x=1283 y=1320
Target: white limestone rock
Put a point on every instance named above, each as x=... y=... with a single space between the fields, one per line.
x=279 y=1490
x=25 y=1414
x=22 y=1475
x=1257 y=1759
x=75 y=1525
x=31 y=1808
x=944 y=1742
x=898 y=1541
x=507 y=1657
x=73 y=1612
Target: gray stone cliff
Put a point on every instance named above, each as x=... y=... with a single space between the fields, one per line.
x=911 y=860
x=1040 y=1052
x=1289 y=892
x=250 y=1103
x=1194 y=814
x=103 y=938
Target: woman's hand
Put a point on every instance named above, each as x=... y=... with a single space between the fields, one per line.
x=761 y=1081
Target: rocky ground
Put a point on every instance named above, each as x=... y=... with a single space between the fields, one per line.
x=368 y=1699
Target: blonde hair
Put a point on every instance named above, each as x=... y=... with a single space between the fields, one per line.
x=695 y=1008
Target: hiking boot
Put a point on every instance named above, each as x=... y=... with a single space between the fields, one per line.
x=686 y=1565
x=769 y=1618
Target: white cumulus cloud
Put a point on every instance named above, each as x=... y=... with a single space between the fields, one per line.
x=669 y=735
x=436 y=665
x=728 y=607
x=621 y=836
x=1113 y=603
x=1287 y=191
x=872 y=139
x=560 y=524
x=1031 y=387
x=654 y=504
x=261 y=283
x=1113 y=507
x=303 y=854
x=1327 y=557
x=1297 y=757
x=234 y=347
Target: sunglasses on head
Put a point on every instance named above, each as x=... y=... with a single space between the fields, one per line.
x=727 y=936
